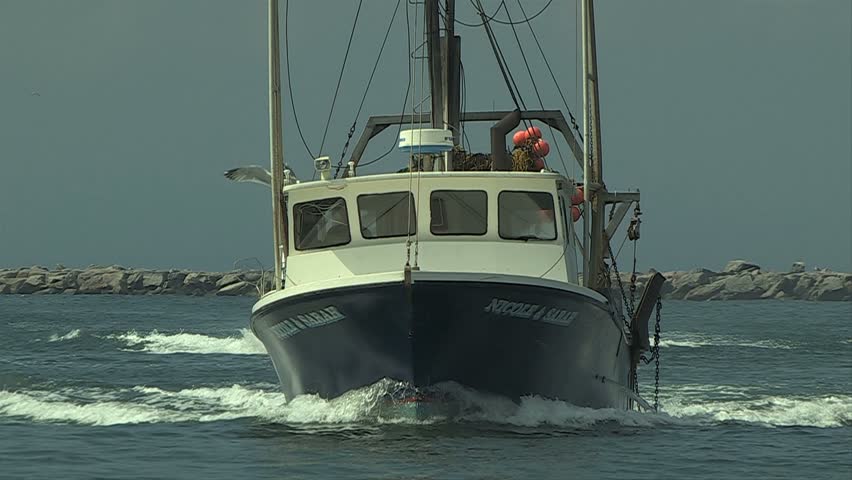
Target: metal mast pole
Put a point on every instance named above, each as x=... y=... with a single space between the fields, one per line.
x=276 y=158
x=592 y=161
x=433 y=51
x=451 y=50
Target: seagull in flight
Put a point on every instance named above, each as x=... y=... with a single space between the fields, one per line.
x=35 y=94
x=251 y=173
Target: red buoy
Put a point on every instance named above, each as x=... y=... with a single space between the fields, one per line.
x=575 y=213
x=578 y=197
x=538 y=164
x=534 y=132
x=541 y=147
x=520 y=137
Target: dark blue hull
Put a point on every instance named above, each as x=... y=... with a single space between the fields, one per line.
x=506 y=339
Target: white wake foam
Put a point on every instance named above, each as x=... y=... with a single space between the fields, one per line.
x=164 y=343
x=45 y=407
x=68 y=336
x=536 y=411
x=694 y=340
x=143 y=404
x=148 y=404
x=823 y=411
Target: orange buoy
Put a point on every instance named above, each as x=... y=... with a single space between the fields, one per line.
x=534 y=132
x=541 y=147
x=578 y=196
x=520 y=137
x=575 y=213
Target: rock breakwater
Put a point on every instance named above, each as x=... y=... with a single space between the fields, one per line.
x=739 y=280
x=117 y=280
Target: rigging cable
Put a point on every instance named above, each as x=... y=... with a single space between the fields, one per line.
x=404 y=100
x=463 y=106
x=472 y=25
x=553 y=76
x=510 y=22
x=535 y=87
x=525 y=20
x=340 y=77
x=423 y=97
x=501 y=62
x=411 y=154
x=367 y=89
x=289 y=84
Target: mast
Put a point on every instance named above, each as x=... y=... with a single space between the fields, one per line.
x=444 y=71
x=433 y=45
x=276 y=158
x=451 y=47
x=592 y=161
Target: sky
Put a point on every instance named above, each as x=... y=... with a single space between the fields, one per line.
x=119 y=117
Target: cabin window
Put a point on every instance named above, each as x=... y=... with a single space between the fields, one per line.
x=385 y=215
x=459 y=212
x=321 y=223
x=526 y=216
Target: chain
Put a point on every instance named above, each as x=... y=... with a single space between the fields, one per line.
x=633 y=236
x=628 y=306
x=633 y=279
x=655 y=356
x=345 y=147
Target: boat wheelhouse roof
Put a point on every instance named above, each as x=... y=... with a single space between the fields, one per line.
x=493 y=178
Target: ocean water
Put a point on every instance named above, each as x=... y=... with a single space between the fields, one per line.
x=178 y=387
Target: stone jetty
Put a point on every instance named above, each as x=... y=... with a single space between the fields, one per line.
x=739 y=280
x=118 y=280
x=742 y=280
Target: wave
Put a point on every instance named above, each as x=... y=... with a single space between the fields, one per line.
x=94 y=407
x=144 y=404
x=47 y=407
x=695 y=340
x=363 y=407
x=68 y=336
x=166 y=343
x=777 y=411
x=535 y=411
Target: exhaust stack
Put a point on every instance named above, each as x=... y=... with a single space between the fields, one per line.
x=499 y=158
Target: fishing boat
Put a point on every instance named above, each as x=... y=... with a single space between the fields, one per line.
x=492 y=271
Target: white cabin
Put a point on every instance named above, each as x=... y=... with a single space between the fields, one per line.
x=515 y=223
